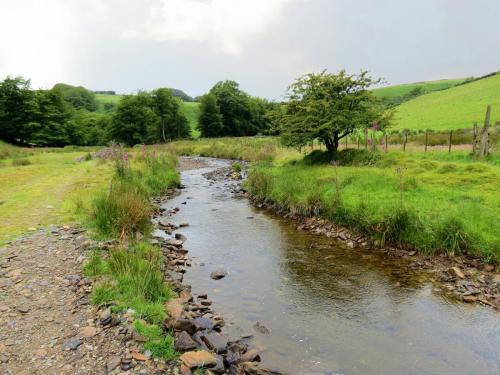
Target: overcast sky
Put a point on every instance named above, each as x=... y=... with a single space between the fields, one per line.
x=263 y=44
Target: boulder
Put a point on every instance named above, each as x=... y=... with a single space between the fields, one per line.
x=199 y=358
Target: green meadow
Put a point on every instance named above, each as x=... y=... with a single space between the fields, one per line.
x=393 y=91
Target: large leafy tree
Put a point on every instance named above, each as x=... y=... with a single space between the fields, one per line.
x=148 y=117
x=172 y=123
x=329 y=107
x=210 y=119
x=51 y=126
x=18 y=108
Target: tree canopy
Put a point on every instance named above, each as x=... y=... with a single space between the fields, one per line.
x=228 y=111
x=329 y=107
x=148 y=117
x=77 y=96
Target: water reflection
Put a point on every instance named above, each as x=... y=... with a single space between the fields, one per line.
x=330 y=309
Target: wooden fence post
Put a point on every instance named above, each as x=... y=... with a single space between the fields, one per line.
x=406 y=139
x=484 y=147
x=474 y=137
x=426 y=139
x=449 y=144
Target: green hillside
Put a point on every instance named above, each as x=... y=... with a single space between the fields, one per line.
x=191 y=111
x=455 y=108
x=104 y=98
x=404 y=89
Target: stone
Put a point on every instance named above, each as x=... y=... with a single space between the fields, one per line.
x=72 y=344
x=252 y=354
x=138 y=356
x=202 y=323
x=41 y=353
x=261 y=328
x=215 y=341
x=23 y=309
x=183 y=341
x=185 y=296
x=181 y=324
x=183 y=225
x=218 y=274
x=3 y=308
x=174 y=308
x=199 y=358
x=112 y=363
x=185 y=370
x=88 y=331
x=458 y=272
x=469 y=298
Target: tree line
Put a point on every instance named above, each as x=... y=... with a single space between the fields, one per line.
x=66 y=114
x=319 y=106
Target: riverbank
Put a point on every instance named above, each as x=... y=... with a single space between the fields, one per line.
x=429 y=202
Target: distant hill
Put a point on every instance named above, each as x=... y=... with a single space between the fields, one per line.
x=456 y=107
x=397 y=94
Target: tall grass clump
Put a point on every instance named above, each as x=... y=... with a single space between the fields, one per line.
x=125 y=208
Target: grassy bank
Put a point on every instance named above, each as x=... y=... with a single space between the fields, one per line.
x=38 y=188
x=431 y=202
x=129 y=276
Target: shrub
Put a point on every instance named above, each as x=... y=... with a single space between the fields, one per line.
x=236 y=167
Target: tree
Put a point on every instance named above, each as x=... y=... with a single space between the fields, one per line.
x=210 y=120
x=77 y=96
x=329 y=107
x=135 y=121
x=148 y=117
x=18 y=106
x=172 y=123
x=51 y=126
x=234 y=107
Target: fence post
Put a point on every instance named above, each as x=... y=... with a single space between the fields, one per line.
x=426 y=139
x=484 y=134
x=406 y=139
x=449 y=145
x=474 y=137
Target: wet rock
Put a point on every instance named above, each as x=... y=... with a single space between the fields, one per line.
x=174 y=308
x=175 y=243
x=259 y=327
x=180 y=237
x=215 y=341
x=183 y=225
x=457 y=272
x=185 y=296
x=469 y=298
x=72 y=344
x=202 y=323
x=252 y=368
x=199 y=358
x=181 y=324
x=183 y=341
x=253 y=354
x=218 y=274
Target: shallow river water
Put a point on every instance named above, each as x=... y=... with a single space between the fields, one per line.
x=330 y=309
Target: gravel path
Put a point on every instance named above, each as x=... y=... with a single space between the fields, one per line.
x=46 y=323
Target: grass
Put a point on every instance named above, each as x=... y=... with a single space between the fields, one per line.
x=455 y=108
x=124 y=209
x=191 y=110
x=422 y=201
x=51 y=188
x=433 y=202
x=427 y=86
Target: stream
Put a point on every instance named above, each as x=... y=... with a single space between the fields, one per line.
x=330 y=309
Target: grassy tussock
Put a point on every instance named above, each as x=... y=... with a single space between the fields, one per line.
x=125 y=208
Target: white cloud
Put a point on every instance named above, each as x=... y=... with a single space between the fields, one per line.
x=223 y=24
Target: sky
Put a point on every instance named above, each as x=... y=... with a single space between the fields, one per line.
x=262 y=44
